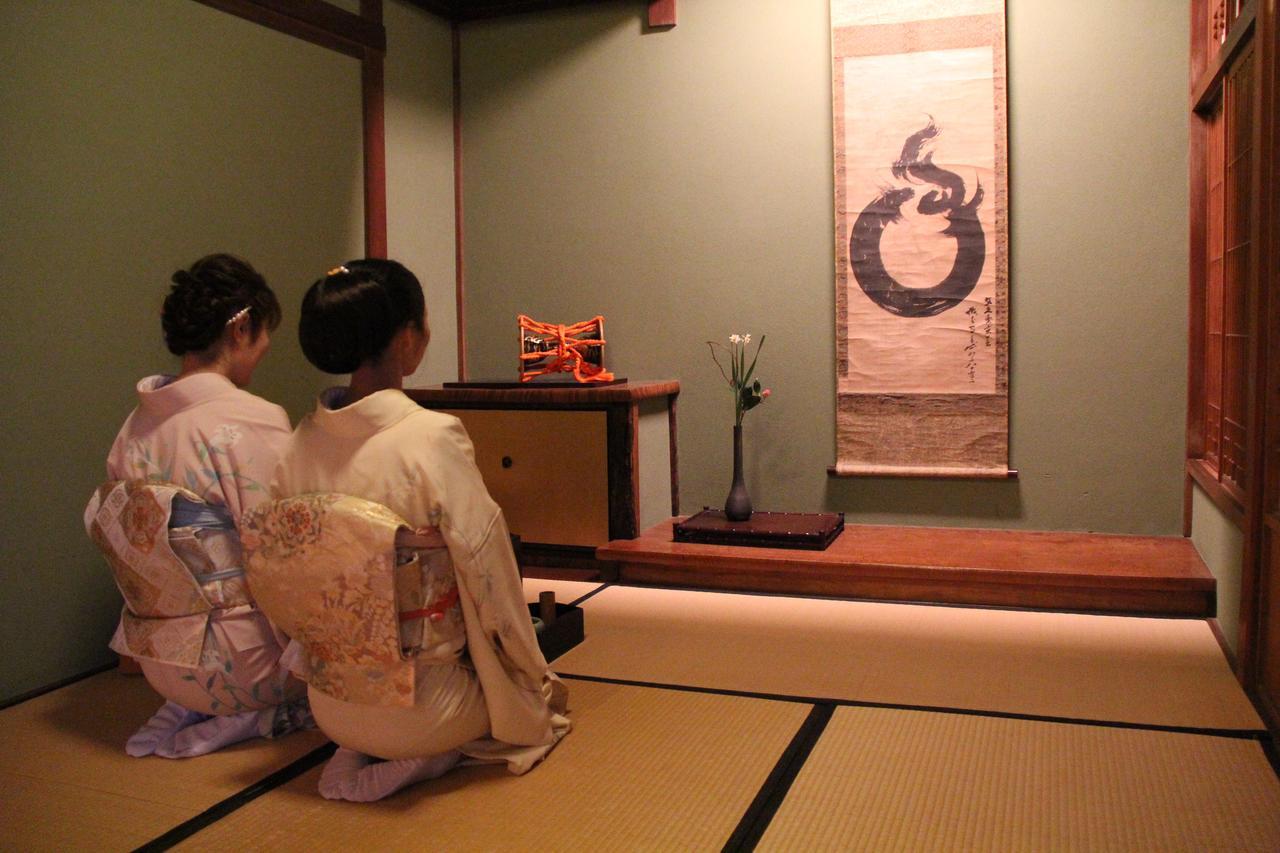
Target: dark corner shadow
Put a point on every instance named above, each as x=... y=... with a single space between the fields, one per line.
x=96 y=723
x=925 y=500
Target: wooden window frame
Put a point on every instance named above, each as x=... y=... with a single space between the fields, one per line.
x=1257 y=511
x=1210 y=64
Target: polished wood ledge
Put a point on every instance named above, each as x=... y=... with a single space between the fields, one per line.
x=1147 y=575
x=439 y=396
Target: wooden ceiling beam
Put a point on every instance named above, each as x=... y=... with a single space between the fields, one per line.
x=311 y=20
x=662 y=13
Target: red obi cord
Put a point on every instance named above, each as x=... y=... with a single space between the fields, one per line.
x=568 y=354
x=436 y=611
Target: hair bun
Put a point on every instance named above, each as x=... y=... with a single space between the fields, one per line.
x=205 y=296
x=350 y=316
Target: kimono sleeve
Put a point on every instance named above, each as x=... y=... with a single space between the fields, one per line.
x=520 y=691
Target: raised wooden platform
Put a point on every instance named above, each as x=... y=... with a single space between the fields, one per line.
x=1147 y=575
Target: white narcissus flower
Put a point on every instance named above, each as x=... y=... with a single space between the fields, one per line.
x=746 y=339
x=735 y=339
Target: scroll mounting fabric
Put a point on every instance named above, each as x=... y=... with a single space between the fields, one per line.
x=921 y=201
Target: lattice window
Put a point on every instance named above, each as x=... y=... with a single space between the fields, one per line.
x=1218 y=22
x=1222 y=14
x=1213 y=308
x=1237 y=228
x=1229 y=171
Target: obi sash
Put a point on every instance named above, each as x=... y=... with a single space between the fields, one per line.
x=357 y=588
x=176 y=561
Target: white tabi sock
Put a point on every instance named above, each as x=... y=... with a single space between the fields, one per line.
x=354 y=778
x=161 y=728
x=213 y=734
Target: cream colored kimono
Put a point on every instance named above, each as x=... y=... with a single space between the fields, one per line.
x=420 y=464
x=222 y=443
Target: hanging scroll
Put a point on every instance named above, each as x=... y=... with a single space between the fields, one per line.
x=921 y=204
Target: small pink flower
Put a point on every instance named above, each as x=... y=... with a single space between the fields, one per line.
x=765 y=394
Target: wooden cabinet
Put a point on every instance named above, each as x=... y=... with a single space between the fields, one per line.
x=548 y=470
x=572 y=468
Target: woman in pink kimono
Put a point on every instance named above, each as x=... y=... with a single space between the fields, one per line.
x=202 y=431
x=488 y=693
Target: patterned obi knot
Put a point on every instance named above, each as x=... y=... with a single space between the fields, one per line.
x=176 y=561
x=363 y=593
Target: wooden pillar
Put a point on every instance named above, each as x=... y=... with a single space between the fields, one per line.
x=375 y=152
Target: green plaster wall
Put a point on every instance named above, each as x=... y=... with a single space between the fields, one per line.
x=137 y=137
x=679 y=182
x=419 y=124
x=1221 y=546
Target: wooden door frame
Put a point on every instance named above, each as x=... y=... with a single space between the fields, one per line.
x=361 y=37
x=1257 y=570
x=1262 y=406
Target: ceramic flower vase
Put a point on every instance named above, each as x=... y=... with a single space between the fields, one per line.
x=737 y=507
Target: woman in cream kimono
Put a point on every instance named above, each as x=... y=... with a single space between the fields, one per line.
x=202 y=431
x=489 y=694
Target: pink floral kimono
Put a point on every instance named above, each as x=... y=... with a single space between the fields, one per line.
x=485 y=690
x=221 y=443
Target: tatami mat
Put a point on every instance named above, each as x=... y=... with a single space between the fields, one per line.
x=656 y=769
x=1167 y=672
x=68 y=784
x=643 y=769
x=881 y=779
x=40 y=815
x=566 y=592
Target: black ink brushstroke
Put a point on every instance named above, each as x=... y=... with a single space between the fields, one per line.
x=886 y=208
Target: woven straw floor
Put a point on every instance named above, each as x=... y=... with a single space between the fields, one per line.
x=708 y=721
x=643 y=769
x=68 y=785
x=881 y=779
x=1065 y=665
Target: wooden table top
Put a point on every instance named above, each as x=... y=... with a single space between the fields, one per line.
x=626 y=392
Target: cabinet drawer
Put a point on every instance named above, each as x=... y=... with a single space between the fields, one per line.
x=548 y=470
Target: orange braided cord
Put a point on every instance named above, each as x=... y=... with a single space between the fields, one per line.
x=568 y=355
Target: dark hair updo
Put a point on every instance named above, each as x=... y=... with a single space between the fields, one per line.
x=350 y=316
x=204 y=297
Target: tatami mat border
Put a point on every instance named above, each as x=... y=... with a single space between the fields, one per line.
x=57 y=685
x=603 y=586
x=760 y=813
x=218 y=811
x=1260 y=735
